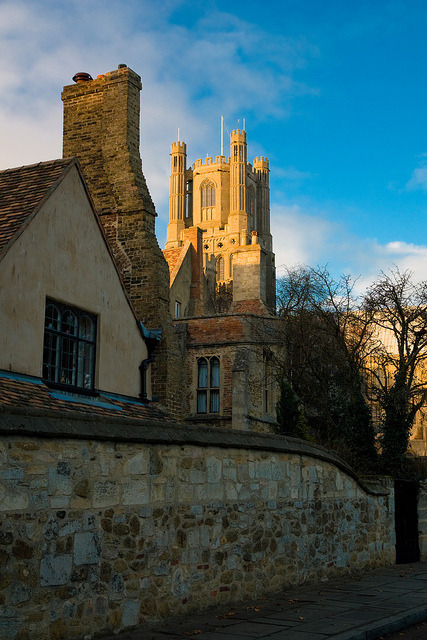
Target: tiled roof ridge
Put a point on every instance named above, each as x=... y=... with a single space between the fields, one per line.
x=64 y=161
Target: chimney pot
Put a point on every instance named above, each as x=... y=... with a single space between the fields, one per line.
x=82 y=77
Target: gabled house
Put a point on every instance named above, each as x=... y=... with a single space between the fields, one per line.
x=67 y=325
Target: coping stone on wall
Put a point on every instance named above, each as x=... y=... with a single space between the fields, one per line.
x=30 y=421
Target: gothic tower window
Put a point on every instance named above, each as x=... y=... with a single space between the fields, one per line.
x=207 y=196
x=208 y=378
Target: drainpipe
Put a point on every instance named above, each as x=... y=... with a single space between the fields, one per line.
x=152 y=338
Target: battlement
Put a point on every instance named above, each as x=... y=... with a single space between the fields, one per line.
x=261 y=163
x=238 y=136
x=178 y=147
x=208 y=161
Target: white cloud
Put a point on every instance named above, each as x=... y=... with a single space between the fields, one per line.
x=418 y=179
x=291 y=173
x=190 y=76
x=305 y=236
x=299 y=237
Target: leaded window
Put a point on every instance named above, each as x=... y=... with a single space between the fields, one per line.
x=208 y=381
x=69 y=346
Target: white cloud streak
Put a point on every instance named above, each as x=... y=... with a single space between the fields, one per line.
x=308 y=237
x=190 y=76
x=418 y=179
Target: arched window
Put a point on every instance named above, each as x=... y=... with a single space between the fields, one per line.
x=220 y=268
x=207 y=198
x=208 y=382
x=231 y=265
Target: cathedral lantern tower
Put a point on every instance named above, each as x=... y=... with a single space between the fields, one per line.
x=222 y=210
x=177 y=203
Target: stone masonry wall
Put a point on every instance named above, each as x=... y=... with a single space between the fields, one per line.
x=101 y=534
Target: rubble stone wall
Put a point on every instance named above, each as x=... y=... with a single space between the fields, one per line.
x=98 y=534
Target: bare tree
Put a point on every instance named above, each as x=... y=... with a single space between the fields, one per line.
x=398 y=310
x=326 y=339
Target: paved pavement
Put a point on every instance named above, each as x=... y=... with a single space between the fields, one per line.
x=414 y=632
x=364 y=608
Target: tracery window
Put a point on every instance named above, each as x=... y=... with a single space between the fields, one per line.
x=207 y=196
x=208 y=379
x=69 y=346
x=220 y=265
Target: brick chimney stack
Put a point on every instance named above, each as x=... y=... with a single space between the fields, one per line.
x=101 y=128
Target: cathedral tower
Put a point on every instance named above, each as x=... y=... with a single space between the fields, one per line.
x=230 y=203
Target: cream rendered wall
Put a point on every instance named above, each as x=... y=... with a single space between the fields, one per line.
x=62 y=255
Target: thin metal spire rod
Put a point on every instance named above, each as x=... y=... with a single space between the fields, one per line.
x=222 y=135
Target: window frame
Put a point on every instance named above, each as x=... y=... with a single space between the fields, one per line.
x=208 y=376
x=66 y=351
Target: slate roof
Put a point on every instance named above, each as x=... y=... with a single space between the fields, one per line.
x=23 y=191
x=23 y=392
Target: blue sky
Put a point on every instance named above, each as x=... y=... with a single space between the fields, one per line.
x=333 y=93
